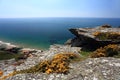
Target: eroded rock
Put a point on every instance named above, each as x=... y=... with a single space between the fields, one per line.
x=86 y=38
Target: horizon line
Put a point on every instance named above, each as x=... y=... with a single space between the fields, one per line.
x=54 y=17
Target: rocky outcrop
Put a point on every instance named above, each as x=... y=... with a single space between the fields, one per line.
x=9 y=47
x=17 y=52
x=37 y=57
x=86 y=37
x=90 y=69
x=46 y=55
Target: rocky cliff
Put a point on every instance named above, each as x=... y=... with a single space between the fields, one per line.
x=93 y=38
x=104 y=68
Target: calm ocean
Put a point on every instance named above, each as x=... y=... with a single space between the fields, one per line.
x=40 y=33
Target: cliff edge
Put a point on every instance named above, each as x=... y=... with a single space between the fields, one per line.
x=97 y=37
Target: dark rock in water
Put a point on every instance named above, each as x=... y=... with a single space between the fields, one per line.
x=86 y=37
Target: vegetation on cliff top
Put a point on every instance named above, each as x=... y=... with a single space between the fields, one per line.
x=110 y=50
x=4 y=55
x=114 y=36
x=58 y=64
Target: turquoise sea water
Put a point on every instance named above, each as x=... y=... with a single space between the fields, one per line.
x=40 y=33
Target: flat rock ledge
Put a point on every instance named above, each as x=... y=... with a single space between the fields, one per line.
x=89 y=69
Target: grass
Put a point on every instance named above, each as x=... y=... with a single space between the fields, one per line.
x=4 y=55
x=110 y=50
x=85 y=54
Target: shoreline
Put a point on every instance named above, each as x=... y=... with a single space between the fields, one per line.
x=10 y=51
x=4 y=44
x=8 y=46
x=23 y=44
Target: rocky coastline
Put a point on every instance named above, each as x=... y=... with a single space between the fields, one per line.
x=103 y=68
x=98 y=36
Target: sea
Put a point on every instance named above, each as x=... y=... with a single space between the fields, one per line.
x=40 y=33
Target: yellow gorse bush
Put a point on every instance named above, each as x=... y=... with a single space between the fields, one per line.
x=1 y=72
x=58 y=64
x=107 y=35
x=107 y=51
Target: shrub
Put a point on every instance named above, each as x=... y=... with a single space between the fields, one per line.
x=110 y=50
x=59 y=64
x=4 y=77
x=1 y=72
x=107 y=35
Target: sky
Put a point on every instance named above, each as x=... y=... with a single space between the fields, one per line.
x=59 y=8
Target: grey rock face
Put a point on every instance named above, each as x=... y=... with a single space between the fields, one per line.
x=99 y=69
x=90 y=69
x=6 y=66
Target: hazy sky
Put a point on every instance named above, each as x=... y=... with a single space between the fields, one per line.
x=59 y=8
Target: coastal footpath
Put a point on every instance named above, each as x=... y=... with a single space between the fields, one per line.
x=103 y=65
